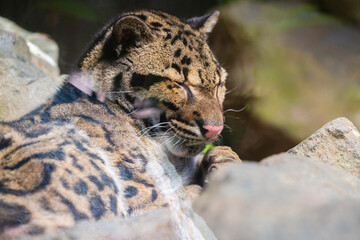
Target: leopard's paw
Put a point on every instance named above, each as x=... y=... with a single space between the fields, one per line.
x=216 y=158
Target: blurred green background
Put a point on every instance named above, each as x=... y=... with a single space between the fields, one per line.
x=293 y=65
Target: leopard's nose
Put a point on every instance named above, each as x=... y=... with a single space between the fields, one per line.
x=212 y=130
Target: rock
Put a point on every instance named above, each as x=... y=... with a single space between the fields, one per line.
x=337 y=143
x=13 y=46
x=284 y=197
x=155 y=224
x=23 y=87
x=47 y=46
x=301 y=66
x=44 y=51
x=28 y=72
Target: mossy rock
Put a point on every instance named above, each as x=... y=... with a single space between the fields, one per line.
x=300 y=66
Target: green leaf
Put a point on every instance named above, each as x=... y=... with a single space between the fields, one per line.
x=207 y=148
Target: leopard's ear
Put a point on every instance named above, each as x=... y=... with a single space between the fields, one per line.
x=131 y=31
x=204 y=24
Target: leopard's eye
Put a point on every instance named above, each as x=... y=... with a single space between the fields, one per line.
x=190 y=95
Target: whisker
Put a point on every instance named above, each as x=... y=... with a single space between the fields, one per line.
x=133 y=111
x=154 y=126
x=234 y=117
x=181 y=143
x=218 y=141
x=148 y=129
x=234 y=110
x=166 y=132
x=227 y=127
x=170 y=139
x=231 y=90
x=120 y=92
x=175 y=143
x=193 y=144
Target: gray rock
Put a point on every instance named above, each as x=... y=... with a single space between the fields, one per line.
x=284 y=197
x=13 y=46
x=28 y=70
x=23 y=87
x=156 y=224
x=46 y=56
x=44 y=51
x=46 y=44
x=337 y=143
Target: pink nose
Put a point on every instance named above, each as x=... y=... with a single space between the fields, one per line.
x=212 y=131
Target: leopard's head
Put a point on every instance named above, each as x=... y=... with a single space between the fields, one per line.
x=163 y=71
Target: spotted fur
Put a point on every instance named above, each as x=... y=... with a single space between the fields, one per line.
x=77 y=158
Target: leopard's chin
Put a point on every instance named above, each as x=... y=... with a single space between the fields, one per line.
x=184 y=149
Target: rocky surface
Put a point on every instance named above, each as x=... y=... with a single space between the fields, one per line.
x=314 y=194
x=28 y=70
x=44 y=51
x=25 y=87
x=337 y=144
x=284 y=197
x=155 y=224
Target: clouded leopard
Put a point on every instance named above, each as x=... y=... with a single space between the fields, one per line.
x=146 y=92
